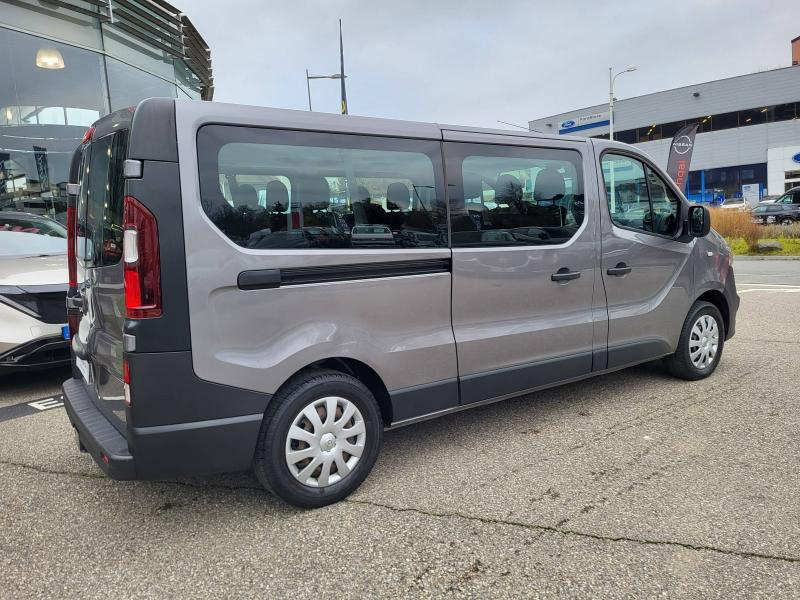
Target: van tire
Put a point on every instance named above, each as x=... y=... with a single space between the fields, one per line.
x=270 y=461
x=680 y=363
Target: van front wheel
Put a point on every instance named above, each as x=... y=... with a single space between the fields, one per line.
x=700 y=345
x=320 y=437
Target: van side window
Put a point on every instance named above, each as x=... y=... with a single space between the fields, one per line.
x=515 y=196
x=664 y=205
x=638 y=198
x=274 y=189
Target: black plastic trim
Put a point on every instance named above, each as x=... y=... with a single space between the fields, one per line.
x=637 y=352
x=273 y=278
x=160 y=191
x=733 y=303
x=196 y=448
x=96 y=433
x=512 y=380
x=36 y=354
x=411 y=402
x=153 y=131
x=166 y=391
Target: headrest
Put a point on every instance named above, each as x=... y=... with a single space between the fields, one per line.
x=549 y=185
x=362 y=194
x=473 y=186
x=312 y=191
x=277 y=194
x=244 y=195
x=507 y=189
x=397 y=194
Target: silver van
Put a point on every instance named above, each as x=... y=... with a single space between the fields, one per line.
x=271 y=289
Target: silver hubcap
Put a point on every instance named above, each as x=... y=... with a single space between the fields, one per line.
x=325 y=441
x=704 y=342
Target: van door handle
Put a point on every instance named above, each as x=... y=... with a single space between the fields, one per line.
x=620 y=270
x=564 y=274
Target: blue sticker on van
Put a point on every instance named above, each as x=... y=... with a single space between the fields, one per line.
x=65 y=331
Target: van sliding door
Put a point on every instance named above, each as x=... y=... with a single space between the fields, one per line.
x=525 y=258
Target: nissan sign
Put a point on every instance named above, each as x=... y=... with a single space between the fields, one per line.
x=683 y=144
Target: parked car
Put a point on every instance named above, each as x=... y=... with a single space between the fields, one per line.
x=33 y=289
x=735 y=204
x=781 y=213
x=196 y=352
x=30 y=223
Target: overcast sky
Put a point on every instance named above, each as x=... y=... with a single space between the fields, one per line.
x=474 y=62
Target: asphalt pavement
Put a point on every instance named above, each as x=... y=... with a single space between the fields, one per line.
x=629 y=485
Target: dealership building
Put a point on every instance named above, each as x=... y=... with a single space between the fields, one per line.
x=749 y=129
x=66 y=63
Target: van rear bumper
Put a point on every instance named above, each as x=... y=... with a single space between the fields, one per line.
x=193 y=448
x=107 y=446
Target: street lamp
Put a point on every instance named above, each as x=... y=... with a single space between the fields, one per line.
x=310 y=77
x=611 y=78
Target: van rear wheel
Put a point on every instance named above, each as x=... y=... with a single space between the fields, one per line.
x=320 y=437
x=700 y=345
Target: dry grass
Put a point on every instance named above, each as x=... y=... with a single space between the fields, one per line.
x=790 y=232
x=733 y=223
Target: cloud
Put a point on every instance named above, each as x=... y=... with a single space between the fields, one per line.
x=474 y=62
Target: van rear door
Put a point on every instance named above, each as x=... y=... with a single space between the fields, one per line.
x=97 y=343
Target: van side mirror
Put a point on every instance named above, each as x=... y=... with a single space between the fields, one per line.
x=699 y=221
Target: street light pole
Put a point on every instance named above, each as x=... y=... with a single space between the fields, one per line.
x=611 y=78
x=308 y=88
x=310 y=77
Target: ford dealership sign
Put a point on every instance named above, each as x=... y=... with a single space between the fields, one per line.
x=583 y=122
x=796 y=158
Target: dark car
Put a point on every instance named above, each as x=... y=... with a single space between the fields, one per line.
x=782 y=213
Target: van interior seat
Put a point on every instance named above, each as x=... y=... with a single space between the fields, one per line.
x=312 y=191
x=365 y=211
x=508 y=190
x=398 y=197
x=277 y=194
x=245 y=195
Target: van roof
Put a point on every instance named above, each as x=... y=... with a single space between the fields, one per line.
x=318 y=121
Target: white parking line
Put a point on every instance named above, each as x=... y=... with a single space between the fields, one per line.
x=769 y=284
x=795 y=290
x=47 y=403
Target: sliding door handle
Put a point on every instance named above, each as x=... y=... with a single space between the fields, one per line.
x=564 y=274
x=620 y=270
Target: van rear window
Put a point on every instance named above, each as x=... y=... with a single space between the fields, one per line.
x=101 y=201
x=276 y=189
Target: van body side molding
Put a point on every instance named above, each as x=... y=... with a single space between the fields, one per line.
x=262 y=279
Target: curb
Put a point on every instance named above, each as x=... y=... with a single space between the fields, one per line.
x=741 y=257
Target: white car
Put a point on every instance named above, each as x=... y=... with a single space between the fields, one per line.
x=33 y=289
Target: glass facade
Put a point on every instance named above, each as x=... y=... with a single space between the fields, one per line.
x=731 y=120
x=63 y=68
x=716 y=185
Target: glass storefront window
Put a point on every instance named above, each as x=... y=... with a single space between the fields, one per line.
x=188 y=82
x=51 y=92
x=49 y=19
x=126 y=47
x=128 y=85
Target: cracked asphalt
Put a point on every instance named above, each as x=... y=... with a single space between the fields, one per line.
x=628 y=485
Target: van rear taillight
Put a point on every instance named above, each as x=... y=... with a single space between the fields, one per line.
x=141 y=261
